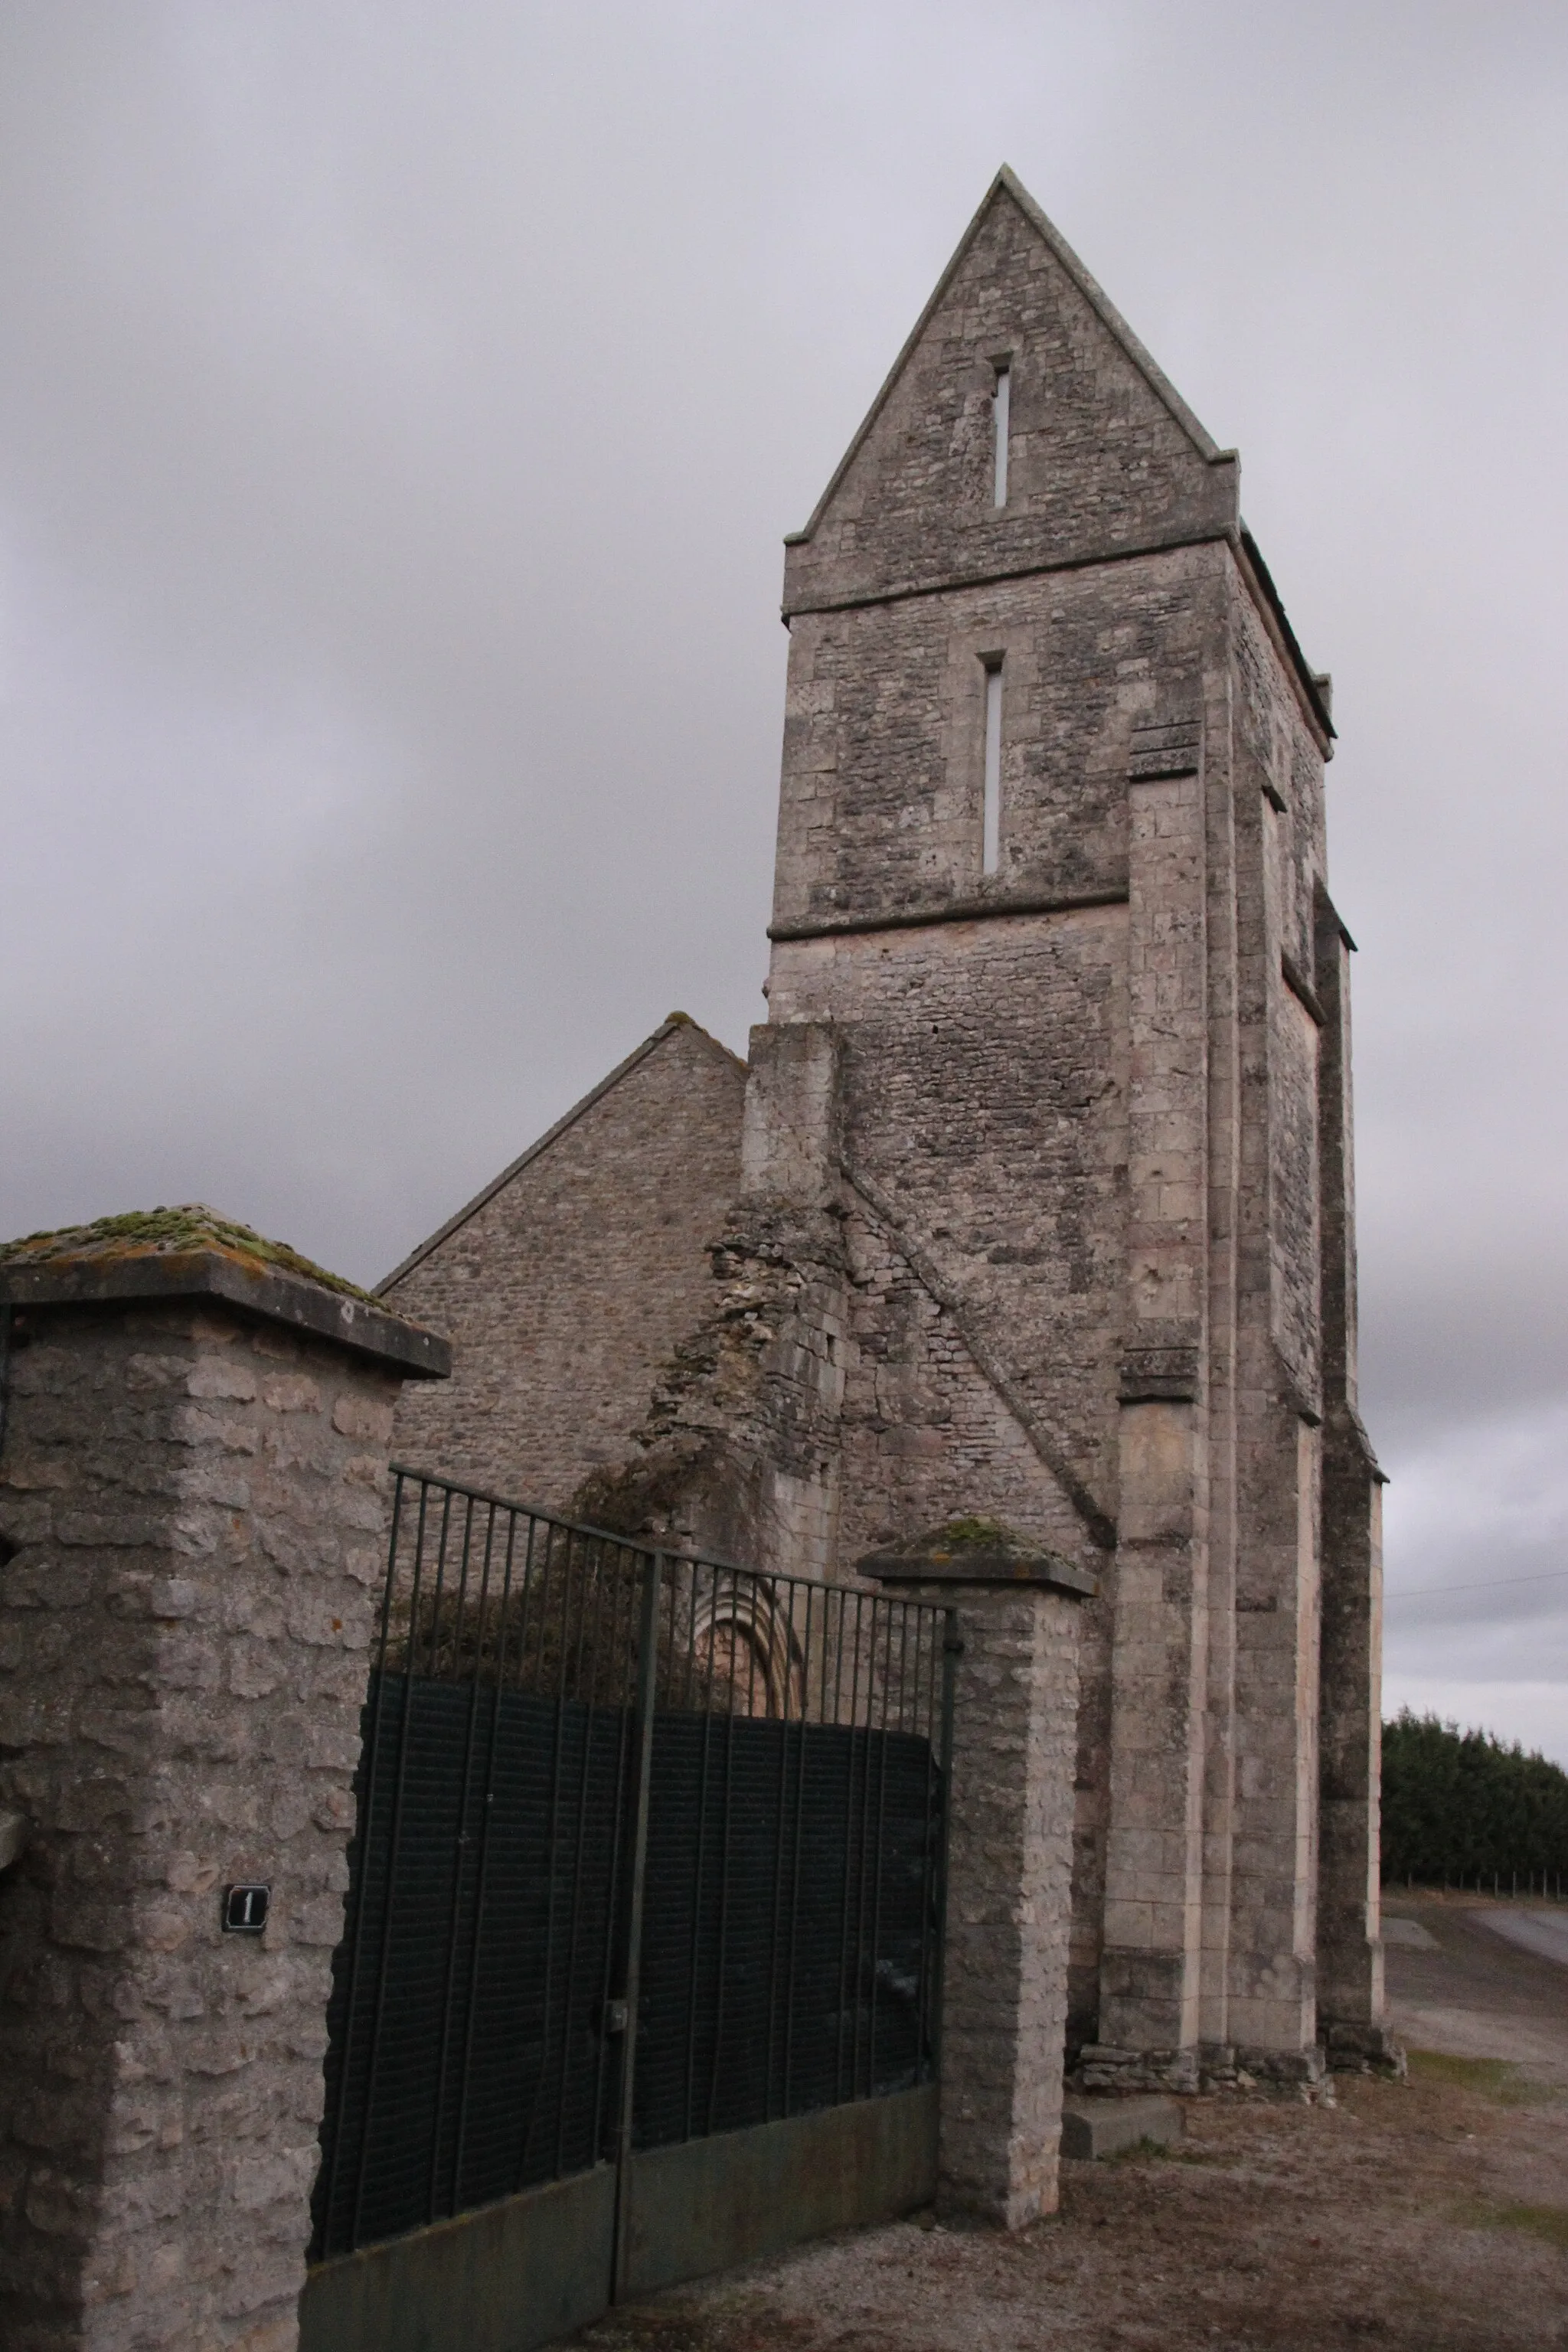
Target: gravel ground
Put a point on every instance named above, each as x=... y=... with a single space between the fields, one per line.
x=1430 y=2216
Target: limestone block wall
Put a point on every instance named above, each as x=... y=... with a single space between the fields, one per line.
x=884 y=733
x=192 y=1506
x=1148 y=1989
x=984 y=1106
x=1349 y=1952
x=1097 y=460
x=573 y=1278
x=925 y=1430
x=1271 y=2003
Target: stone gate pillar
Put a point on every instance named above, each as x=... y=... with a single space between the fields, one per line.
x=192 y=1498
x=1009 y=1859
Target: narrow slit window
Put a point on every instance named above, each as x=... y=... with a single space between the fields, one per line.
x=990 y=828
x=1001 y=411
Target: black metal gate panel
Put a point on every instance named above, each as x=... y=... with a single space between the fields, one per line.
x=649 y=1850
x=466 y=2057
x=785 y=1951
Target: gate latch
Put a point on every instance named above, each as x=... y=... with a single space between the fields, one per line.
x=615 y=2017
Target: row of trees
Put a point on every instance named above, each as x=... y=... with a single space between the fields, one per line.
x=1458 y=1805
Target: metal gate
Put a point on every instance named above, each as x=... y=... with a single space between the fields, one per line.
x=641 y=1970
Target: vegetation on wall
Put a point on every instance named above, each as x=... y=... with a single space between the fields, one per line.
x=1460 y=1805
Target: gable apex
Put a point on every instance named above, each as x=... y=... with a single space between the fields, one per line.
x=674 y=1024
x=1094 y=294
x=1007 y=187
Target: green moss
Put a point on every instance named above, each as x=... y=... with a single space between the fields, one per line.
x=1548 y=2223
x=1492 y=2078
x=170 y=1233
x=972 y=1535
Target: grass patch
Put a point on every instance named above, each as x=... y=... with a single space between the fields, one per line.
x=1492 y=2078
x=1547 y=2222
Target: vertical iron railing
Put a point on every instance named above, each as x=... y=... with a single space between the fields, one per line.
x=649 y=1847
x=791 y=1943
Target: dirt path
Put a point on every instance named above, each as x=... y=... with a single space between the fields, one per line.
x=1427 y=2217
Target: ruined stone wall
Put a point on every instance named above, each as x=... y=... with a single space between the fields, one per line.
x=984 y=1105
x=985 y=1117
x=191 y=1508
x=737 y=1454
x=926 y=1435
x=929 y=1436
x=574 y=1280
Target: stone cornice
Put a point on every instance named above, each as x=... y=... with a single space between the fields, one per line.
x=275 y=1294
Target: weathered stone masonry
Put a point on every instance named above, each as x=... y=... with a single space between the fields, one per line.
x=563 y=1284
x=1010 y=1859
x=192 y=1502
x=1045 y=1211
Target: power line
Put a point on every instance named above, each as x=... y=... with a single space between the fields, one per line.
x=1487 y=1584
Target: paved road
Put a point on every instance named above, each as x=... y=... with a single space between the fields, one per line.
x=1543 y=1932
x=1476 y=1988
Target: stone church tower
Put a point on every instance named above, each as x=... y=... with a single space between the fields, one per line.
x=1042 y=1212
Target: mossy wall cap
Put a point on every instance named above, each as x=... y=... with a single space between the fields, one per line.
x=192 y=1252
x=976 y=1551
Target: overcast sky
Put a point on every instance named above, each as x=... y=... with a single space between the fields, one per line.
x=401 y=407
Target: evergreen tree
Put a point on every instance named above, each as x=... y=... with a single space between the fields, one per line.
x=1460 y=1804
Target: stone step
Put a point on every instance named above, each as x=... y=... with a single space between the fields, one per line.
x=1106 y=2127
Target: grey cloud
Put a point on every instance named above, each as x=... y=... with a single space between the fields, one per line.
x=400 y=415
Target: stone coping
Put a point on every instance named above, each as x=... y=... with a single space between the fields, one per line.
x=977 y=1551
x=94 y=1276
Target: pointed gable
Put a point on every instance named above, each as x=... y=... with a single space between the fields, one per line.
x=1104 y=456
x=567 y=1282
